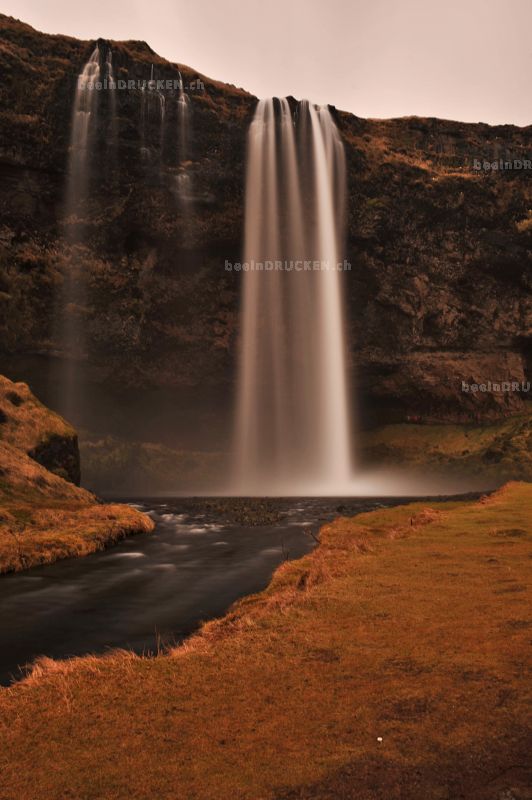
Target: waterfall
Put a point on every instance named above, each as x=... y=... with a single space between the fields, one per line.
x=144 y=151
x=82 y=129
x=73 y=293
x=182 y=121
x=111 y=86
x=149 y=95
x=183 y=125
x=162 y=109
x=292 y=426
x=162 y=112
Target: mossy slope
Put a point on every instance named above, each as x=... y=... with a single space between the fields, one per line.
x=44 y=516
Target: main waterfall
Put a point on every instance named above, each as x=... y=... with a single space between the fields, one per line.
x=292 y=427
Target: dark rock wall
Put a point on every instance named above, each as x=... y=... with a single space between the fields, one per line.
x=60 y=455
x=438 y=292
x=442 y=269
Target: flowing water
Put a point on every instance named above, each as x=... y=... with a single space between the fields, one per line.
x=200 y=559
x=72 y=296
x=183 y=180
x=111 y=83
x=183 y=121
x=84 y=117
x=292 y=429
x=152 y=107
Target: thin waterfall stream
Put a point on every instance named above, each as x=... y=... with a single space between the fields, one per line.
x=72 y=297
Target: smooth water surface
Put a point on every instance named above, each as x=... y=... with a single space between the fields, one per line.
x=157 y=588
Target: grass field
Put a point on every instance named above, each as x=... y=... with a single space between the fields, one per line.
x=390 y=663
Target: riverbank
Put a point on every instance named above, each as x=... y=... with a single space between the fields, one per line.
x=44 y=515
x=390 y=663
x=34 y=532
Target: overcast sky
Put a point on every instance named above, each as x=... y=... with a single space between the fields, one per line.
x=457 y=59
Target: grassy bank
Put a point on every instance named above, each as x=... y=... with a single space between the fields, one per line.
x=43 y=531
x=388 y=664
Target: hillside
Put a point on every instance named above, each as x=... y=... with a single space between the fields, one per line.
x=43 y=515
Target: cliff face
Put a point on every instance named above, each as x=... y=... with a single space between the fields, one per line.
x=438 y=292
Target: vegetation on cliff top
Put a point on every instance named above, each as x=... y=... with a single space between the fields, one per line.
x=388 y=663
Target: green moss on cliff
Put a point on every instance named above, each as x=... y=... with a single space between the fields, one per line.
x=497 y=452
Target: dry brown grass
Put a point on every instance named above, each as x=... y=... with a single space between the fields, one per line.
x=28 y=422
x=44 y=518
x=41 y=534
x=409 y=625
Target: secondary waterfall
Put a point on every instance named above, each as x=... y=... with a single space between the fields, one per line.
x=151 y=97
x=182 y=120
x=83 y=119
x=292 y=427
x=183 y=182
x=111 y=87
x=71 y=301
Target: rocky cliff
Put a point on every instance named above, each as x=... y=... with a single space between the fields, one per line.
x=44 y=436
x=438 y=293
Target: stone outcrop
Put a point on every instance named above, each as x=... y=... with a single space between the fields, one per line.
x=44 y=516
x=43 y=435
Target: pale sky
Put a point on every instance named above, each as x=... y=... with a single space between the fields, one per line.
x=469 y=60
